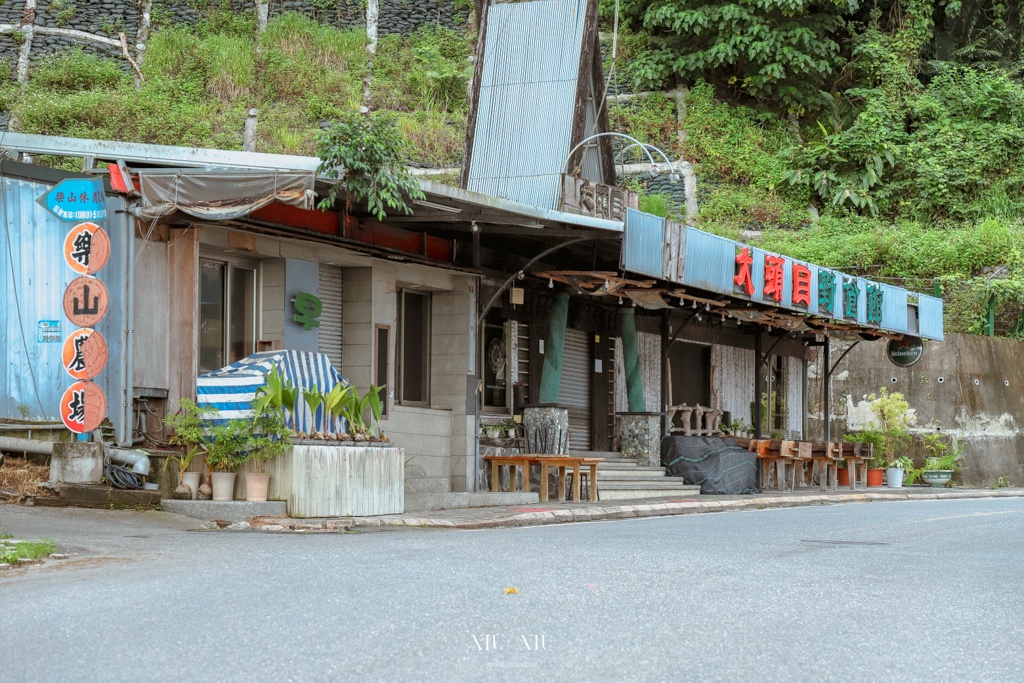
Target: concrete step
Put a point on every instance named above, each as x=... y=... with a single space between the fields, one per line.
x=662 y=482
x=607 y=455
x=620 y=491
x=477 y=500
x=225 y=510
x=638 y=473
x=424 y=502
x=428 y=485
x=624 y=466
x=627 y=492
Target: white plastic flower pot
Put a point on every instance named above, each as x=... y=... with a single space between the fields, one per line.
x=894 y=477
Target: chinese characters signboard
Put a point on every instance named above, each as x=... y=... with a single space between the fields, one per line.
x=86 y=300
x=76 y=199
x=86 y=248
x=83 y=407
x=84 y=354
x=49 y=332
x=692 y=258
x=784 y=276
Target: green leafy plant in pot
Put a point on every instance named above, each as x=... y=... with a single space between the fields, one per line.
x=269 y=437
x=277 y=392
x=226 y=448
x=187 y=433
x=942 y=459
x=894 y=420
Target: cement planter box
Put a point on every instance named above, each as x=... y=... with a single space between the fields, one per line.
x=339 y=481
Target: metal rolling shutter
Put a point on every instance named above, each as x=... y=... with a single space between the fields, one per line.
x=329 y=290
x=574 y=392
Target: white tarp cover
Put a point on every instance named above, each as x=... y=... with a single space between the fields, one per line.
x=222 y=195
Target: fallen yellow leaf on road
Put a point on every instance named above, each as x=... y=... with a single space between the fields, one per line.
x=511 y=590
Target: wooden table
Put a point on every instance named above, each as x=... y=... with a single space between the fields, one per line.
x=562 y=462
x=512 y=461
x=544 y=462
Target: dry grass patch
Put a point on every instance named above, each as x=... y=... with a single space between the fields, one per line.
x=23 y=477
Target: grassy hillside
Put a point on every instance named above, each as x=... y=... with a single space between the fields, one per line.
x=200 y=82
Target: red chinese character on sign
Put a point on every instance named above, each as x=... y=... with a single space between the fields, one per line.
x=744 y=278
x=801 y=285
x=774 y=275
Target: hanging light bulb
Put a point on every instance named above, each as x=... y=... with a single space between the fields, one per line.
x=694 y=305
x=620 y=300
x=707 y=307
x=698 y=317
x=551 y=283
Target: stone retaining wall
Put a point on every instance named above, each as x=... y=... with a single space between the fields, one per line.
x=109 y=17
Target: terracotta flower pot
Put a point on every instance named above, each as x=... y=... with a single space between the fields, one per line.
x=256 y=487
x=843 y=478
x=875 y=476
x=223 y=485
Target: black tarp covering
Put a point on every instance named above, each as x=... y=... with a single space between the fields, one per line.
x=717 y=464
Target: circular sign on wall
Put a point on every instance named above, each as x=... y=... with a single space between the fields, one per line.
x=84 y=354
x=904 y=352
x=83 y=407
x=86 y=301
x=86 y=248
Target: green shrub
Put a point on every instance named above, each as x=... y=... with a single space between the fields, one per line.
x=429 y=70
x=72 y=70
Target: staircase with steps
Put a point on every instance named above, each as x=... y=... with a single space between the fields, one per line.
x=621 y=478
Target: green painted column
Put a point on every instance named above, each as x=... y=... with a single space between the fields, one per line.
x=554 y=346
x=631 y=361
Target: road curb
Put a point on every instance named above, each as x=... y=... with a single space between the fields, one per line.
x=505 y=517
x=662 y=509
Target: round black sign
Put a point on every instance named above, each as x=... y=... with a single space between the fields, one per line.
x=905 y=352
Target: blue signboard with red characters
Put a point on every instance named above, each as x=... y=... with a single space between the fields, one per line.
x=76 y=199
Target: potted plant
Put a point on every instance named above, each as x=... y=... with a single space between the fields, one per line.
x=492 y=431
x=510 y=426
x=187 y=426
x=942 y=459
x=279 y=393
x=894 y=419
x=314 y=398
x=896 y=470
x=269 y=437
x=226 y=445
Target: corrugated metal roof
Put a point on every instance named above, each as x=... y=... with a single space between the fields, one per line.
x=526 y=99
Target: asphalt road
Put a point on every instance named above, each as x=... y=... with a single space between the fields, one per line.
x=910 y=591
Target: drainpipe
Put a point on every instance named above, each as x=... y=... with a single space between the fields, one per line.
x=15 y=445
x=137 y=460
x=128 y=384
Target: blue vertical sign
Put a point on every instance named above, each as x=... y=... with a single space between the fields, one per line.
x=76 y=199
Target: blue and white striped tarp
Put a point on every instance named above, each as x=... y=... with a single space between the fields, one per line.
x=232 y=389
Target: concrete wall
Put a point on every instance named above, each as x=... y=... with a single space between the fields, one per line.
x=967 y=386
x=438 y=439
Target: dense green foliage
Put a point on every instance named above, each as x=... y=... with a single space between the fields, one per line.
x=885 y=138
x=199 y=82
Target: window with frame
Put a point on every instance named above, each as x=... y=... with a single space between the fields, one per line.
x=227 y=313
x=414 y=348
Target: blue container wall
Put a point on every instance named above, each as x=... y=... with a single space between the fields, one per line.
x=33 y=276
